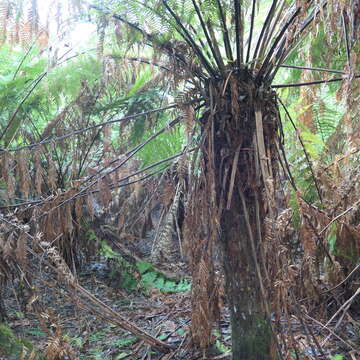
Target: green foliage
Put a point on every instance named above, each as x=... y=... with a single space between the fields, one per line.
x=122 y=355
x=130 y=280
x=331 y=238
x=23 y=96
x=19 y=74
x=143 y=267
x=125 y=341
x=165 y=145
x=153 y=279
x=327 y=113
x=338 y=357
x=144 y=77
x=219 y=343
x=221 y=347
x=108 y=252
x=12 y=347
x=90 y=235
x=35 y=332
x=65 y=82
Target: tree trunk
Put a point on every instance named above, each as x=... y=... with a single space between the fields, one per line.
x=239 y=167
x=251 y=334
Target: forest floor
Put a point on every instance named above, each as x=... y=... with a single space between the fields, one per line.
x=83 y=336
x=164 y=315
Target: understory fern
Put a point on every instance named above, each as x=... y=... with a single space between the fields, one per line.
x=142 y=275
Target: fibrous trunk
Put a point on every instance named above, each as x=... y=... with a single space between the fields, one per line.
x=240 y=129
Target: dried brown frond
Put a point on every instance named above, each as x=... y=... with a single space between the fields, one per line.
x=105 y=192
x=8 y=175
x=307 y=96
x=187 y=112
x=68 y=219
x=58 y=346
x=59 y=119
x=8 y=246
x=202 y=317
x=78 y=210
x=51 y=220
x=348 y=245
x=167 y=194
x=39 y=171
x=63 y=272
x=90 y=200
x=21 y=249
x=52 y=176
x=107 y=146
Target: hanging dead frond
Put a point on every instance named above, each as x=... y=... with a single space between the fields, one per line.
x=39 y=171
x=8 y=170
x=23 y=174
x=52 y=176
x=21 y=249
x=105 y=192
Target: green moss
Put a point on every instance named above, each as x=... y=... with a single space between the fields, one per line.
x=252 y=340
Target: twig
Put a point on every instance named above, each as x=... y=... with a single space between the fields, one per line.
x=329 y=330
x=343 y=281
x=344 y=307
x=352 y=207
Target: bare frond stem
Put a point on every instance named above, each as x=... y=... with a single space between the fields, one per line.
x=87 y=189
x=130 y=154
x=265 y=26
x=141 y=60
x=346 y=35
x=251 y=30
x=202 y=43
x=23 y=59
x=188 y=38
x=218 y=60
x=312 y=69
x=280 y=10
x=266 y=62
x=315 y=82
x=80 y=131
x=238 y=30
x=225 y=32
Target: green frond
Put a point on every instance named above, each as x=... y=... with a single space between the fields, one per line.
x=327 y=114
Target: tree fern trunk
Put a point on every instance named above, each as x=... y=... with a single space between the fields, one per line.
x=239 y=167
x=251 y=335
